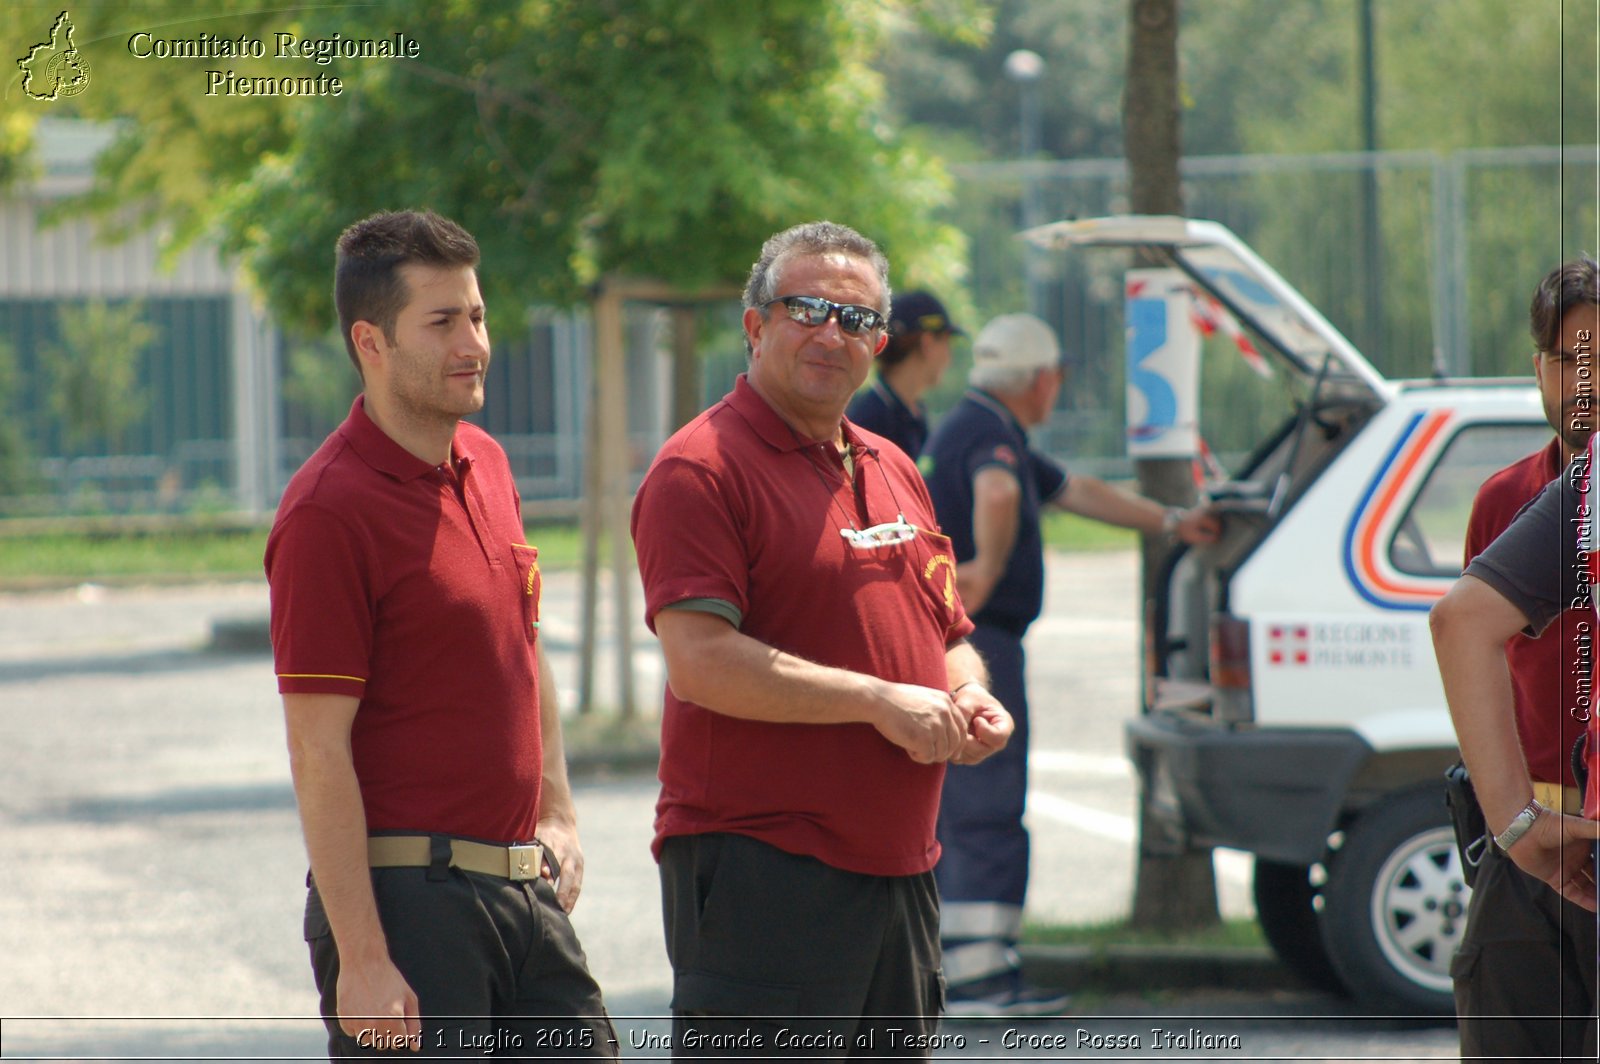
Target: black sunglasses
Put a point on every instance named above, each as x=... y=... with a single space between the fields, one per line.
x=814 y=310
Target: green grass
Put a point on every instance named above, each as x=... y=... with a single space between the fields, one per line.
x=109 y=553
x=130 y=550
x=1229 y=934
x=1069 y=532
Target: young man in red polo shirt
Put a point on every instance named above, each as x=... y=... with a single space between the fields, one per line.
x=819 y=680
x=422 y=720
x=1525 y=981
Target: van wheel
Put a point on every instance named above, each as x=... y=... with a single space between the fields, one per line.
x=1284 y=908
x=1395 y=905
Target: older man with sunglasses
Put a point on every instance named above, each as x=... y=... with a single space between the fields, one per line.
x=819 y=680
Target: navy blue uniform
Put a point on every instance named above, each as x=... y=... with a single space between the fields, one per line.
x=879 y=410
x=983 y=874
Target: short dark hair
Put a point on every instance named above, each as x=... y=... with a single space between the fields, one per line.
x=899 y=347
x=367 y=285
x=1573 y=283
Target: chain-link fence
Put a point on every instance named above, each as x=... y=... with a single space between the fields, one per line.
x=1425 y=261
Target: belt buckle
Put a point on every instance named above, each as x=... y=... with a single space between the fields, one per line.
x=524 y=862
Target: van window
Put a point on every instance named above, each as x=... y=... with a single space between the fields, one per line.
x=1430 y=539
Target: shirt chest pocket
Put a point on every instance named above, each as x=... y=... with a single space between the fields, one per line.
x=526 y=559
x=937 y=572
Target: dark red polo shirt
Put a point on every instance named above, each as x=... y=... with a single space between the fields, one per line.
x=389 y=586
x=737 y=508
x=1545 y=685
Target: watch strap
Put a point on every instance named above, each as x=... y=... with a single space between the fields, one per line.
x=1519 y=825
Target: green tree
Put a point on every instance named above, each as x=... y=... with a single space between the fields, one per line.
x=955 y=85
x=16 y=471
x=177 y=148
x=92 y=373
x=575 y=138
x=1540 y=57
x=319 y=377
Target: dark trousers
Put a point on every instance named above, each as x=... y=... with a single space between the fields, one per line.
x=779 y=955
x=496 y=967
x=983 y=872
x=1525 y=973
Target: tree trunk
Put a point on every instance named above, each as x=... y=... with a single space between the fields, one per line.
x=685 y=366
x=1174 y=887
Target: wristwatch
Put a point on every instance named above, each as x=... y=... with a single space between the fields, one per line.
x=1519 y=825
x=1171 y=520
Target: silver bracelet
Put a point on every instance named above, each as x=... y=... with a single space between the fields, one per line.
x=1519 y=825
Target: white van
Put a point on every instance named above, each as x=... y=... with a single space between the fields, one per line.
x=1294 y=709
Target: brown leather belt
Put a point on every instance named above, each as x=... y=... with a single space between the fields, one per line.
x=517 y=863
x=1568 y=800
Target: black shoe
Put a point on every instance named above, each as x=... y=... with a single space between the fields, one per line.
x=1002 y=996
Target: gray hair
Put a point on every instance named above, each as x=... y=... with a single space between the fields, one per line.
x=1003 y=380
x=811 y=238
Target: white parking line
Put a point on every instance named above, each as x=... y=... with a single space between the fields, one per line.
x=1236 y=866
x=1106 y=825
x=1099 y=766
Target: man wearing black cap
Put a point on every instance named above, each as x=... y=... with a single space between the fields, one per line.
x=910 y=364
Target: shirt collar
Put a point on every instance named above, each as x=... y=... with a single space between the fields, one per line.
x=889 y=396
x=999 y=409
x=749 y=404
x=379 y=451
x=1552 y=459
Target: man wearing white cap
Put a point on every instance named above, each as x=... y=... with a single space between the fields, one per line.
x=988 y=487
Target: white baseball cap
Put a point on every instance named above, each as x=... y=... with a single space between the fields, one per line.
x=1016 y=341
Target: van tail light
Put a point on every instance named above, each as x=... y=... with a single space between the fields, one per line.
x=1152 y=660
x=1232 y=700
x=1231 y=692
x=1230 y=652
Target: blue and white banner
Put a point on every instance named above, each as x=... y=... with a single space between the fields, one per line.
x=1163 y=366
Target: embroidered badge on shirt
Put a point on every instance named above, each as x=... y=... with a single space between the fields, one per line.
x=930 y=571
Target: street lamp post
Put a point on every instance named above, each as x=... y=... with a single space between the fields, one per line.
x=1025 y=67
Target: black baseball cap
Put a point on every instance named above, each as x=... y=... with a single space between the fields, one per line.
x=920 y=312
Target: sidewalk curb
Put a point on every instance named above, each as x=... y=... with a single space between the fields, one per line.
x=1134 y=969
x=245 y=633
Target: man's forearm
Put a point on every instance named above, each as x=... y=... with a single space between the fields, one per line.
x=555 y=789
x=963 y=664
x=1478 y=690
x=976 y=581
x=713 y=665
x=335 y=827
x=1099 y=501
x=1470 y=627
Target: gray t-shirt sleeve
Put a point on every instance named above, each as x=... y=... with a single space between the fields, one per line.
x=1537 y=562
x=720 y=607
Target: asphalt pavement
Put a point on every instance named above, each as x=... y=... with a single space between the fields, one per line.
x=153 y=876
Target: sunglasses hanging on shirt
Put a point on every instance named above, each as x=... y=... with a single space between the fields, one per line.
x=873 y=537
